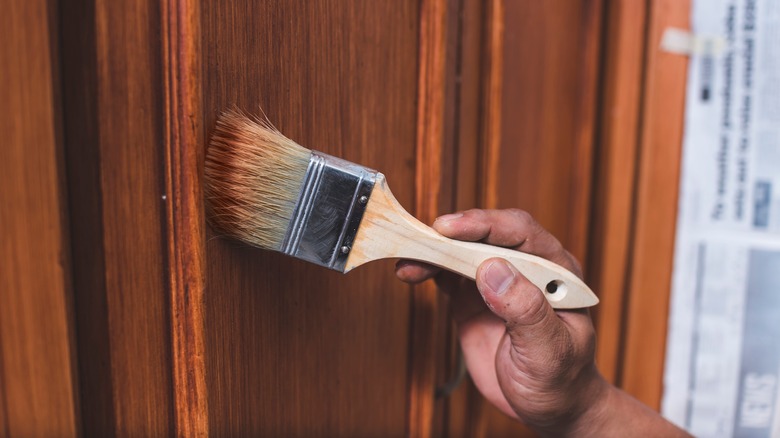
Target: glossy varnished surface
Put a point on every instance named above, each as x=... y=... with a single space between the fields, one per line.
x=548 y=110
x=294 y=349
x=38 y=393
x=658 y=173
x=113 y=118
x=539 y=156
x=614 y=176
x=460 y=103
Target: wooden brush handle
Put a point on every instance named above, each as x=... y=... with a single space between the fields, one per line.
x=389 y=231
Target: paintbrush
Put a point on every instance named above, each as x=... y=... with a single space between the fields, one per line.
x=267 y=191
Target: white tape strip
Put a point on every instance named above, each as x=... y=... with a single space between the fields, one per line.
x=683 y=42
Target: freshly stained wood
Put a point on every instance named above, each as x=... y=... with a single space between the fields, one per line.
x=38 y=389
x=663 y=110
x=613 y=212
x=293 y=349
x=114 y=140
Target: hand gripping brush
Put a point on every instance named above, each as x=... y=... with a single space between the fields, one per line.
x=267 y=191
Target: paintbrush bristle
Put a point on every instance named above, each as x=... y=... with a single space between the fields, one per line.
x=253 y=178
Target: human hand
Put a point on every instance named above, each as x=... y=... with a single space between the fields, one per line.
x=532 y=362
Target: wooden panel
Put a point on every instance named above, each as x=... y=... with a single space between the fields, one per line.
x=293 y=349
x=550 y=70
x=538 y=157
x=114 y=141
x=615 y=175
x=184 y=213
x=461 y=407
x=38 y=394
x=426 y=329
x=656 y=207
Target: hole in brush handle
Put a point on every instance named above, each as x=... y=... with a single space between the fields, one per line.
x=556 y=290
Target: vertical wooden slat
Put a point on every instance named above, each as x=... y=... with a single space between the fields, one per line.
x=539 y=118
x=491 y=115
x=77 y=38
x=112 y=65
x=585 y=106
x=462 y=406
x=38 y=387
x=615 y=169
x=294 y=349
x=184 y=208
x=548 y=109
x=656 y=207
x=428 y=173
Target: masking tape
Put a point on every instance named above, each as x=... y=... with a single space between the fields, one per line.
x=683 y=42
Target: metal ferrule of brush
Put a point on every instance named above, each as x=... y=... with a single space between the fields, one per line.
x=326 y=218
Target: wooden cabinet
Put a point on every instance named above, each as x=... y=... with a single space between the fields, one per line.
x=122 y=313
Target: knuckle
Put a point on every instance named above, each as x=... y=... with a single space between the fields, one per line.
x=522 y=217
x=533 y=308
x=475 y=213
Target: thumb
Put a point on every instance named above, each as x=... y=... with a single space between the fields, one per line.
x=531 y=321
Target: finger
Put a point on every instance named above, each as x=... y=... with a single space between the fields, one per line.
x=480 y=339
x=533 y=326
x=511 y=228
x=465 y=301
x=414 y=272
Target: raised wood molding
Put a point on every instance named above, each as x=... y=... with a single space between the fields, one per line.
x=585 y=126
x=428 y=174
x=661 y=130
x=614 y=172
x=492 y=99
x=114 y=138
x=184 y=213
x=541 y=65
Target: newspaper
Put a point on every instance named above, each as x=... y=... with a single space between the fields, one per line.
x=722 y=371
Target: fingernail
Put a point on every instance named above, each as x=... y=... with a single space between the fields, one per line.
x=499 y=276
x=448 y=217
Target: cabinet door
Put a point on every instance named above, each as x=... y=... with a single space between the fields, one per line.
x=459 y=102
x=292 y=349
x=181 y=331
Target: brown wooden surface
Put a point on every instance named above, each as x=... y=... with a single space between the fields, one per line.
x=551 y=59
x=38 y=391
x=615 y=175
x=424 y=356
x=464 y=136
x=185 y=218
x=656 y=207
x=461 y=103
x=492 y=96
x=113 y=111
x=547 y=105
x=293 y=349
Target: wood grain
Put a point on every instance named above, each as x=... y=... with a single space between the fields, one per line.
x=114 y=137
x=293 y=349
x=38 y=385
x=656 y=207
x=461 y=412
x=543 y=161
x=424 y=306
x=551 y=59
x=492 y=99
x=615 y=176
x=185 y=220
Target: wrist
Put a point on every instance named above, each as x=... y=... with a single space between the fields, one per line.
x=595 y=411
x=588 y=413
